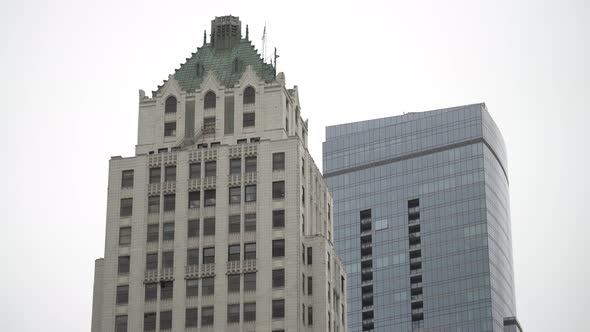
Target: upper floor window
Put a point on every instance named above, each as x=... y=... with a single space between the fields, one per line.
x=210 y=100
x=250 y=164
x=170 y=105
x=278 y=161
x=127 y=179
x=170 y=128
x=126 y=207
x=249 y=95
x=249 y=120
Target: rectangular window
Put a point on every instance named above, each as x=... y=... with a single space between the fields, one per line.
x=329 y=260
x=170 y=129
x=165 y=320
x=193 y=227
x=191 y=317
x=124 y=236
x=278 y=218
x=127 y=179
x=194 y=171
x=309 y=315
x=209 y=226
x=168 y=231
x=250 y=193
x=235 y=195
x=242 y=141
x=151 y=262
x=209 y=125
x=194 y=199
x=250 y=222
x=233 y=283
x=207 y=316
x=234 y=223
x=254 y=139
x=233 y=313
x=309 y=255
x=168 y=259
x=302 y=195
x=123 y=294
x=250 y=164
x=278 y=308
x=309 y=286
x=278 y=161
x=235 y=166
x=233 y=252
x=278 y=190
x=278 y=248
x=166 y=290
x=169 y=202
x=123 y=265
x=209 y=255
x=155 y=175
x=153 y=233
x=208 y=286
x=192 y=256
x=126 y=207
x=149 y=321
x=302 y=167
x=151 y=292
x=210 y=168
x=210 y=197
x=192 y=287
x=154 y=204
x=249 y=282
x=278 y=278
x=249 y=119
x=249 y=251
x=250 y=312
x=303 y=254
x=121 y=323
x=170 y=173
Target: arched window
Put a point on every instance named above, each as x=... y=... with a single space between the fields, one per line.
x=210 y=100
x=249 y=95
x=170 y=105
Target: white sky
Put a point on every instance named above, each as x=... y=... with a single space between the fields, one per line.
x=70 y=73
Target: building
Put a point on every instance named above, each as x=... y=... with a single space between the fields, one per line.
x=422 y=222
x=221 y=221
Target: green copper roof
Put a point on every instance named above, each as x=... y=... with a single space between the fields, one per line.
x=227 y=64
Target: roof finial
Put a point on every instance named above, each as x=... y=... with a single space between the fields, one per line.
x=204 y=37
x=247 y=31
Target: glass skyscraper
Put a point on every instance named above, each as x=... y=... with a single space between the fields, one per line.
x=422 y=221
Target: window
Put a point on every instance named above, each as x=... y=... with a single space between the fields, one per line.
x=234 y=195
x=278 y=190
x=154 y=204
x=278 y=278
x=309 y=315
x=278 y=161
x=249 y=251
x=149 y=321
x=233 y=313
x=250 y=193
x=309 y=286
x=209 y=255
x=209 y=125
x=151 y=292
x=278 y=218
x=170 y=105
x=210 y=168
x=192 y=287
x=166 y=289
x=170 y=129
x=250 y=281
x=242 y=141
x=210 y=197
x=192 y=256
x=122 y=294
x=302 y=166
x=123 y=265
x=208 y=285
x=209 y=226
x=153 y=233
x=169 y=202
x=233 y=252
x=235 y=166
x=303 y=313
x=194 y=199
x=303 y=284
x=210 y=100
x=254 y=139
x=194 y=171
x=303 y=253
x=234 y=223
x=309 y=255
x=168 y=259
x=126 y=207
x=250 y=222
x=193 y=227
x=207 y=316
x=151 y=262
x=329 y=259
x=302 y=195
x=249 y=119
x=121 y=323
x=170 y=173
x=124 y=236
x=191 y=317
x=165 y=320
x=202 y=146
x=233 y=283
x=127 y=179
x=155 y=175
x=250 y=312
x=278 y=308
x=249 y=95
x=278 y=248
x=168 y=231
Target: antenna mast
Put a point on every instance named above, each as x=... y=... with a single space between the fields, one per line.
x=264 y=43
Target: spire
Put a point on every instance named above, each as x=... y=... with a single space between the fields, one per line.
x=225 y=32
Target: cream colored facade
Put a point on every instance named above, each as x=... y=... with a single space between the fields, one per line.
x=277 y=128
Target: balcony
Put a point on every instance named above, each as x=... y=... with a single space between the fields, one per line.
x=167 y=273
x=250 y=177
x=207 y=270
x=236 y=267
x=151 y=275
x=194 y=184
x=168 y=187
x=192 y=271
x=209 y=182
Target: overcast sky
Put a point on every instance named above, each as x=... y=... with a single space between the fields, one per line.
x=70 y=73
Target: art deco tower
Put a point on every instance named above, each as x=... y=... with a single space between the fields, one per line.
x=221 y=221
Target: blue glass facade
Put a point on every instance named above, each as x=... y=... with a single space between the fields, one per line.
x=422 y=222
